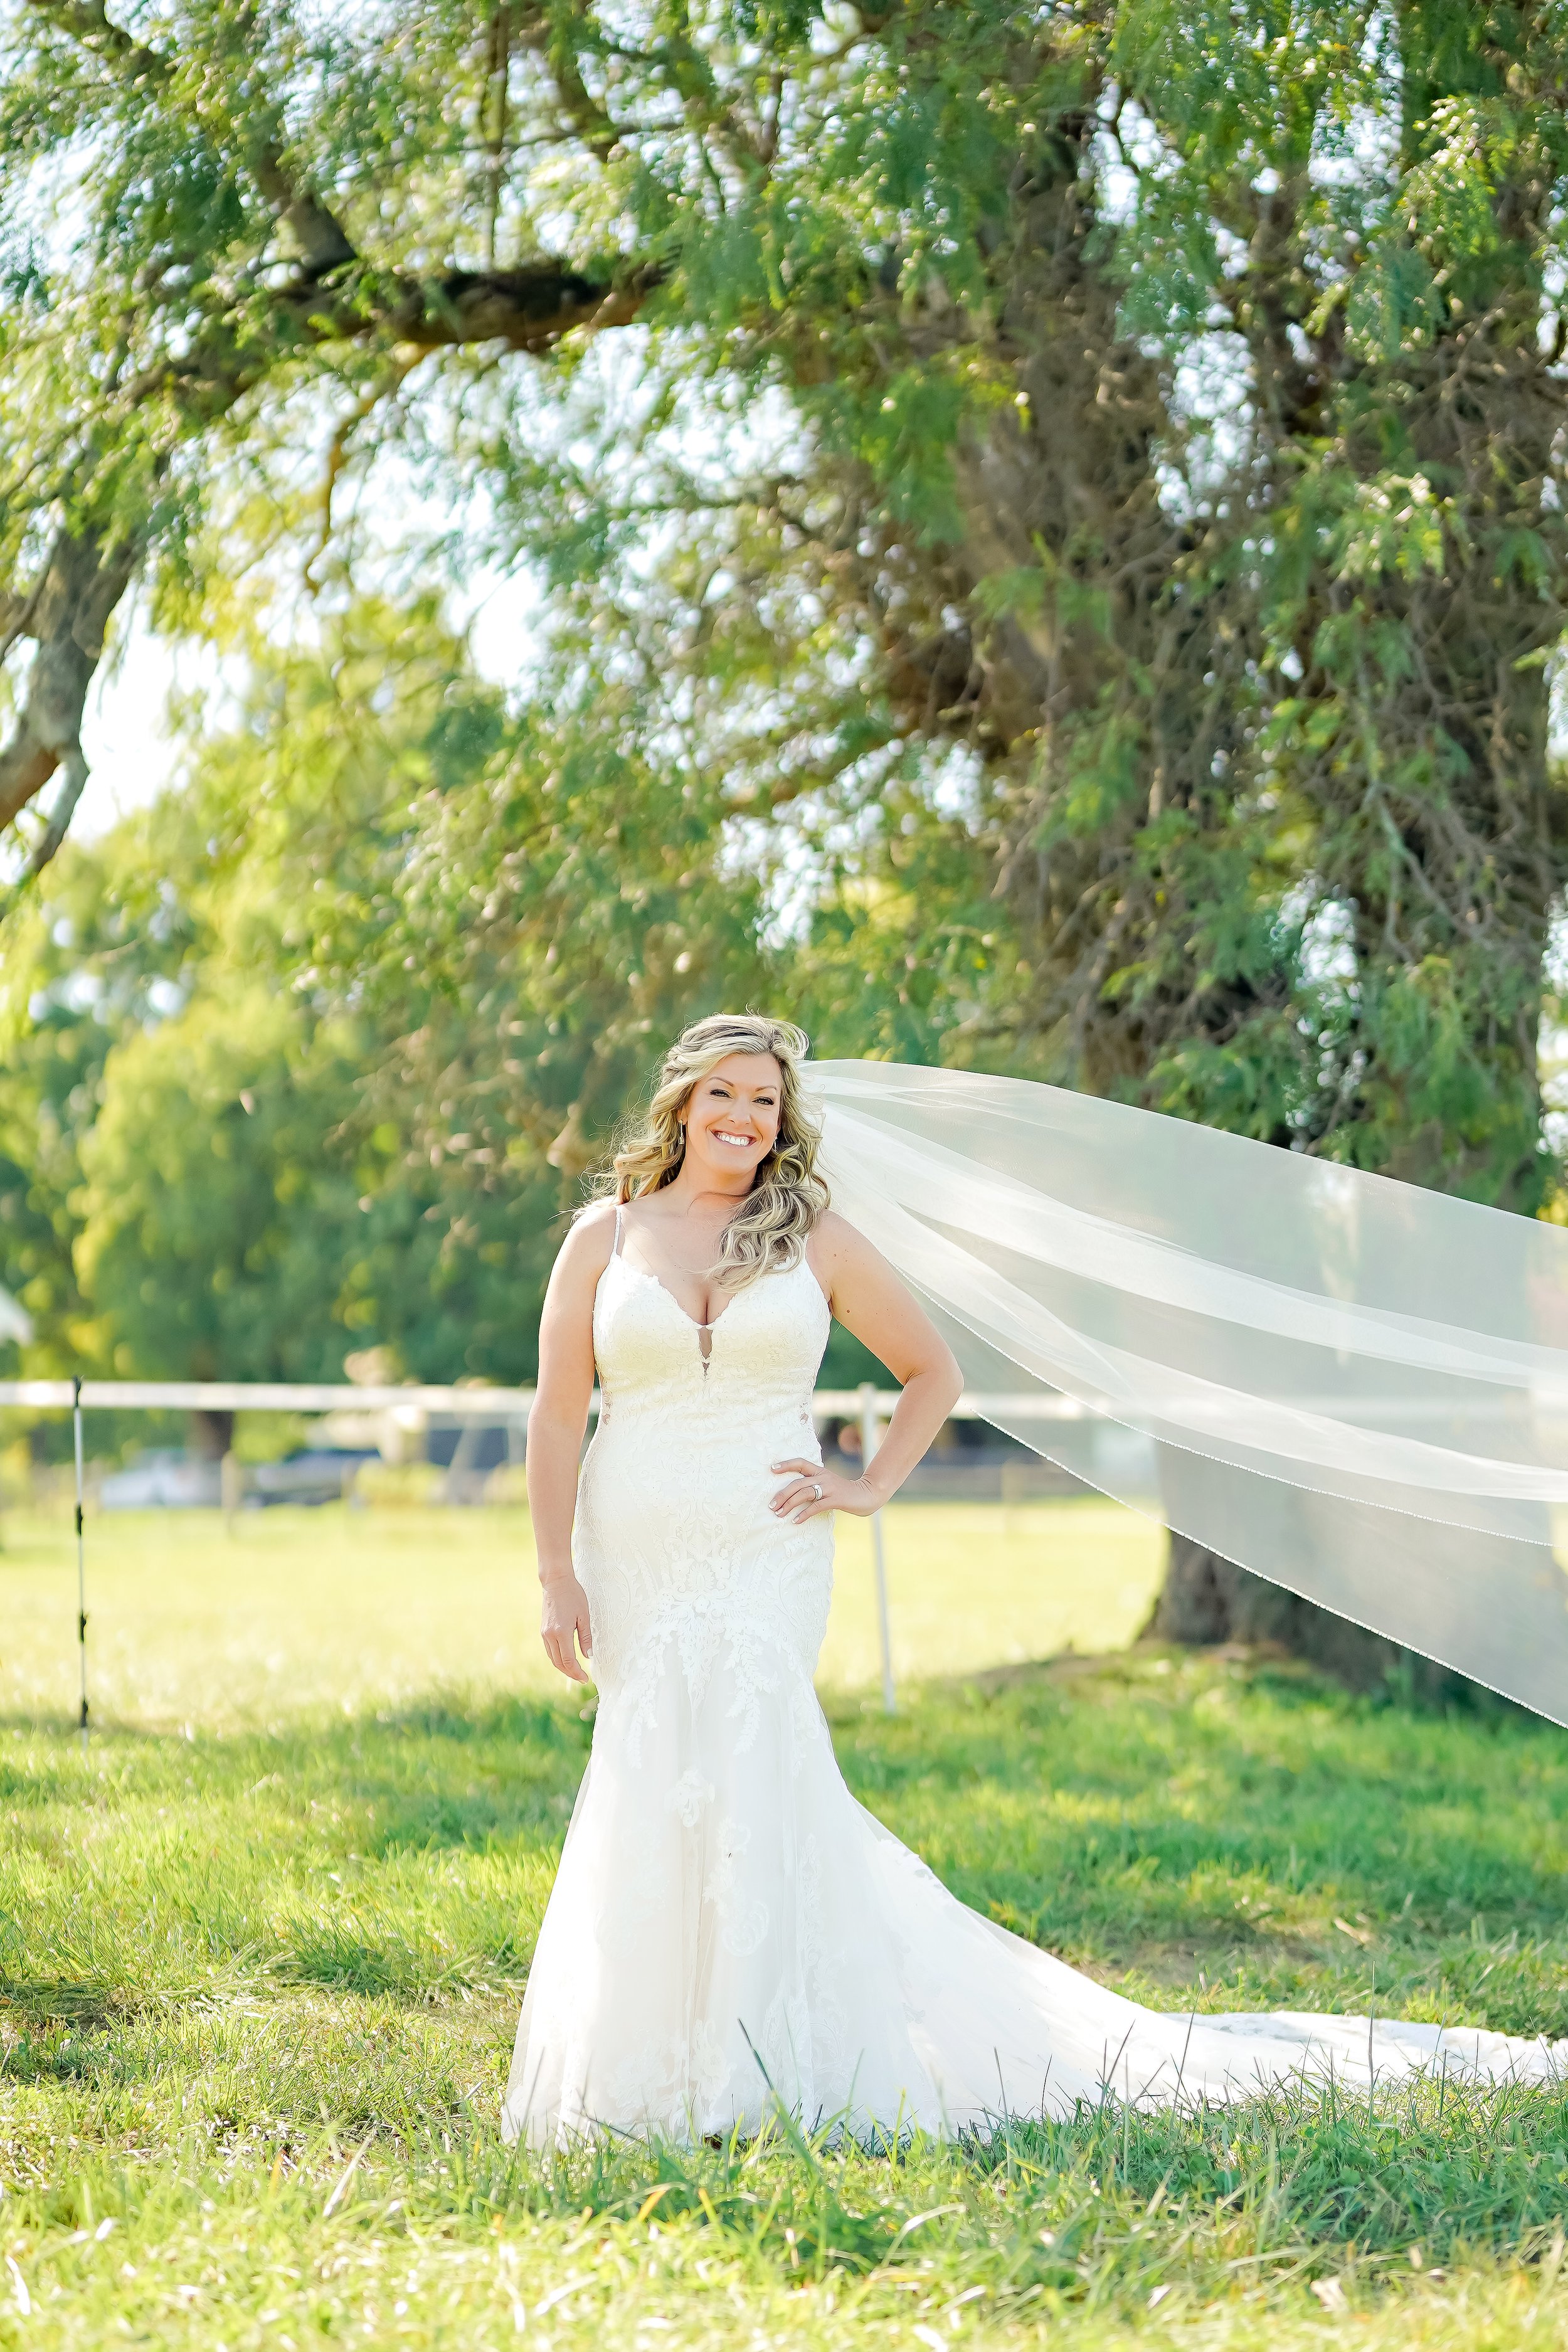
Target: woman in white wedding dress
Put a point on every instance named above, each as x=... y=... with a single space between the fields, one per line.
x=730 y=1932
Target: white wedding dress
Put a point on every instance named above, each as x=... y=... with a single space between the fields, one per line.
x=729 y=1928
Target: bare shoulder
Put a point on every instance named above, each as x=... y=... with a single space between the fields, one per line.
x=839 y=1234
x=837 y=1246
x=598 y=1216
x=590 y=1238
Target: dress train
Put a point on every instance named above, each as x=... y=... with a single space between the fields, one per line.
x=729 y=1928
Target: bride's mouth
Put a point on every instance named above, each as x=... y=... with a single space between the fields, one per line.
x=745 y=1142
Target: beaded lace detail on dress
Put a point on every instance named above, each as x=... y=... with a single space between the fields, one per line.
x=728 y=1927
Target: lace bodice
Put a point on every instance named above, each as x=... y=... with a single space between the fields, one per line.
x=674 y=1533
x=761 y=1359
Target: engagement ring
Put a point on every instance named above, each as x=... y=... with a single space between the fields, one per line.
x=816 y=1490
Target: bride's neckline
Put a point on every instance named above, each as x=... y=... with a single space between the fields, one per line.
x=705 y=1330
x=646 y=1274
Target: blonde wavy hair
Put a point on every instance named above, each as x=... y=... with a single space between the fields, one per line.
x=787 y=1195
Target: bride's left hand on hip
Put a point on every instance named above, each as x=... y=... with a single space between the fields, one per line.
x=813 y=1490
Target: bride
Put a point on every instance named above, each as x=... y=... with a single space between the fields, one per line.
x=730 y=1932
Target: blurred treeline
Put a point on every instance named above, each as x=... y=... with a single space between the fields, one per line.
x=313 y=1055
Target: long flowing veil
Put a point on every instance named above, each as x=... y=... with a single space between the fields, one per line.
x=1353 y=1387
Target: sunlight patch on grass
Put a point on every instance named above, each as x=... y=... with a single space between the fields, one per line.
x=973 y=1585
x=190 y=1622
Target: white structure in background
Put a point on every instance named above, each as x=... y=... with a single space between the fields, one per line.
x=163 y=1477
x=15 y=1323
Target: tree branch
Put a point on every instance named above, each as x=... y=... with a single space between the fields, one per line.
x=83 y=582
x=322 y=242
x=89 y=568
x=387 y=387
x=89 y=21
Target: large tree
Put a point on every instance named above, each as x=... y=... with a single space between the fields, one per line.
x=1180 y=396
x=1173 y=406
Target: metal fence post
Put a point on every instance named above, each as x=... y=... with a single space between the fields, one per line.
x=81 y=1554
x=869 y=1440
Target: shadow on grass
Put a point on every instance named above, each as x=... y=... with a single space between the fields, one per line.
x=336 y=1960
x=450 y=1775
x=444 y=1714
x=445 y=1771
x=33 y=1787
x=53 y=1724
x=1288 y=2183
x=1139 y=1812
x=55 y=2000
x=452 y=1717
x=62 y=2029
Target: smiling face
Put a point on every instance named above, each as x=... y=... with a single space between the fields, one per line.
x=733 y=1120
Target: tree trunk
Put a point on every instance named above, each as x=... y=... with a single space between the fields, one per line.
x=67 y=614
x=1206 y=1600
x=212 y=1433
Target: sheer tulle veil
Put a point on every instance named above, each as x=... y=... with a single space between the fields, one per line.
x=1356 y=1388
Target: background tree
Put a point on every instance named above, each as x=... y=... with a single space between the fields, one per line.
x=510 y=911
x=310 y=1057
x=214 y=1229
x=1015 y=270
x=94 y=960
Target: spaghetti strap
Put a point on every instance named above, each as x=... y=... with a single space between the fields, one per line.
x=617 y=1251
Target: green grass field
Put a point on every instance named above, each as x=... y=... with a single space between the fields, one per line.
x=260 y=1955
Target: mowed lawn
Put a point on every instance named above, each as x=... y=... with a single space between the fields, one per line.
x=261 y=1950
x=348 y=1609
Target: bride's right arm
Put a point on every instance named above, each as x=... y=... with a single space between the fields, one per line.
x=556 y=1427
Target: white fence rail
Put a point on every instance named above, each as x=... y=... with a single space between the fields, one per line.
x=464 y=1403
